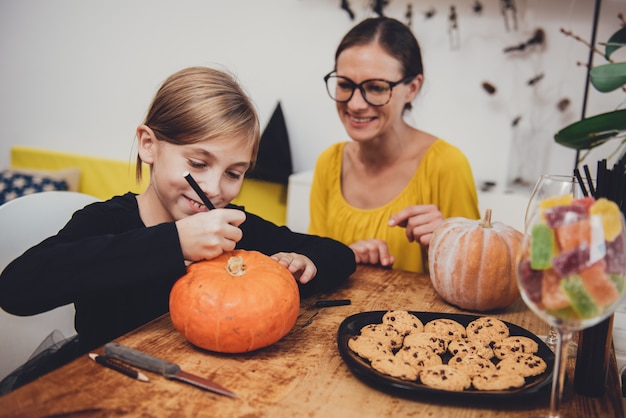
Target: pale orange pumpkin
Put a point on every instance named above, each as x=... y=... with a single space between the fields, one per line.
x=472 y=263
x=235 y=303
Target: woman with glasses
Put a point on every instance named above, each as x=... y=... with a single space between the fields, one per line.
x=385 y=192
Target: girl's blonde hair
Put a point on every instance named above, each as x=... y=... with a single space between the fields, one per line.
x=200 y=103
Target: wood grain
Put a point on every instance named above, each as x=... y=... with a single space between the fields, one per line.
x=302 y=375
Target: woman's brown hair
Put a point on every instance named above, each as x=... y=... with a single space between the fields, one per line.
x=394 y=37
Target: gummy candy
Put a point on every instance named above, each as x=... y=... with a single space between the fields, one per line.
x=541 y=247
x=615 y=257
x=557 y=216
x=584 y=202
x=611 y=217
x=618 y=281
x=580 y=300
x=599 y=285
x=562 y=200
x=572 y=261
x=565 y=313
x=552 y=295
x=530 y=280
x=572 y=235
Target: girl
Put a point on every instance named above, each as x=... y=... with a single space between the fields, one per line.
x=390 y=187
x=117 y=260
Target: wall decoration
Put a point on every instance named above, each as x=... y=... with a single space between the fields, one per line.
x=509 y=12
x=346 y=6
x=430 y=13
x=489 y=88
x=409 y=15
x=453 y=28
x=536 y=79
x=538 y=38
x=563 y=104
x=378 y=6
x=477 y=7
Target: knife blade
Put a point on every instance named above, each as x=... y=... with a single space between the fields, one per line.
x=168 y=370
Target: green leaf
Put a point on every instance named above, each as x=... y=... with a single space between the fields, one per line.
x=608 y=77
x=615 y=42
x=591 y=132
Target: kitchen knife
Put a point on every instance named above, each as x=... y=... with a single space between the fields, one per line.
x=169 y=370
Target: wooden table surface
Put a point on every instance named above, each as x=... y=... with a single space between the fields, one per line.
x=302 y=375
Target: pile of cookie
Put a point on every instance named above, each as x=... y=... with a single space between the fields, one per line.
x=446 y=355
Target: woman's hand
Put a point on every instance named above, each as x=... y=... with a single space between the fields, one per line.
x=206 y=235
x=419 y=221
x=299 y=265
x=372 y=251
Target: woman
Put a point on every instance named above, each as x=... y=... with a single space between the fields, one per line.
x=386 y=191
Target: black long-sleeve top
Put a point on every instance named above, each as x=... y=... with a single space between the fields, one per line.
x=119 y=273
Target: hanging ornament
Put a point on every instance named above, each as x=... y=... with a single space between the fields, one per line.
x=453 y=28
x=563 y=104
x=346 y=6
x=378 y=6
x=409 y=15
x=535 y=79
x=477 y=7
x=430 y=13
x=538 y=38
x=489 y=88
x=509 y=11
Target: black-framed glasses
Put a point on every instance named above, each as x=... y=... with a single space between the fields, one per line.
x=376 y=92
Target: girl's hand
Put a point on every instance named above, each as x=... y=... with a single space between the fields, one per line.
x=299 y=265
x=206 y=235
x=420 y=222
x=372 y=251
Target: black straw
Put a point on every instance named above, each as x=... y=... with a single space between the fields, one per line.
x=611 y=184
x=198 y=190
x=581 y=182
x=592 y=189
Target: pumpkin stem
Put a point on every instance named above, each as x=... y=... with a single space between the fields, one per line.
x=235 y=266
x=486 y=222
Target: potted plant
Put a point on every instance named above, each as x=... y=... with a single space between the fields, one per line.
x=591 y=132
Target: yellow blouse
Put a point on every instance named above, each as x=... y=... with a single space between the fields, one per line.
x=443 y=178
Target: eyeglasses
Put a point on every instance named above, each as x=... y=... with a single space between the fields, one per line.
x=375 y=91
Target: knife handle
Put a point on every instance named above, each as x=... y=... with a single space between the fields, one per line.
x=139 y=359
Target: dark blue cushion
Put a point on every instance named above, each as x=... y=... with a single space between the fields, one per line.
x=14 y=184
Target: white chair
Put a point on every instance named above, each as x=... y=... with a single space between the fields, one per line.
x=24 y=222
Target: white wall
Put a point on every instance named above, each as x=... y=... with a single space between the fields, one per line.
x=78 y=75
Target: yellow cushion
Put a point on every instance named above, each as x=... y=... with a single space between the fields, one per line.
x=100 y=177
x=263 y=198
x=105 y=178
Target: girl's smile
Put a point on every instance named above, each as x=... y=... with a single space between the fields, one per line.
x=218 y=166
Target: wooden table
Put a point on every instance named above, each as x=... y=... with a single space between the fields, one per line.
x=302 y=375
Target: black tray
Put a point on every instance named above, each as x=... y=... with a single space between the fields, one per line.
x=361 y=368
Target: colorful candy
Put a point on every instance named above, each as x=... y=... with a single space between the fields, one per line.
x=541 y=251
x=577 y=258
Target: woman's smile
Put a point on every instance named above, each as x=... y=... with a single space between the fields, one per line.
x=361 y=119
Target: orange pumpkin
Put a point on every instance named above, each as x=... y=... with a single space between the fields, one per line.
x=472 y=263
x=235 y=303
